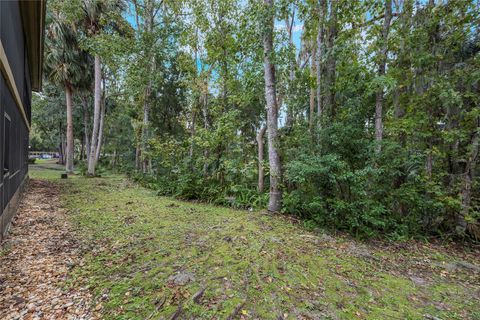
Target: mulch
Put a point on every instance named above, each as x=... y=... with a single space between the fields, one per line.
x=35 y=260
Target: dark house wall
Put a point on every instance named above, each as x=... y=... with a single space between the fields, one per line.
x=14 y=128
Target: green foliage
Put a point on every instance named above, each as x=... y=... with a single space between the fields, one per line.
x=100 y=170
x=185 y=100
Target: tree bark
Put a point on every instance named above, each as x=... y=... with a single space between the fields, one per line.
x=61 y=148
x=85 y=126
x=70 y=147
x=461 y=221
x=96 y=116
x=145 y=124
x=194 y=110
x=114 y=158
x=275 y=197
x=289 y=26
x=313 y=64
x=466 y=195
x=82 y=150
x=192 y=134
x=331 y=67
x=100 y=131
x=138 y=153
x=224 y=80
x=60 y=153
x=205 y=126
x=381 y=72
x=319 y=55
x=149 y=17
x=261 y=171
x=403 y=62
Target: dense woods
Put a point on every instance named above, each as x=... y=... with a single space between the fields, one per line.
x=361 y=116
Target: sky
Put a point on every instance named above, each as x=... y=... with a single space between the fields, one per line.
x=279 y=25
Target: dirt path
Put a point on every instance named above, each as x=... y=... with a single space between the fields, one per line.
x=35 y=259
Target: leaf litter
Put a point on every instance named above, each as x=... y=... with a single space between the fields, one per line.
x=38 y=254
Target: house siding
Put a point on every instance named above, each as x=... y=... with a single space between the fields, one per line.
x=12 y=181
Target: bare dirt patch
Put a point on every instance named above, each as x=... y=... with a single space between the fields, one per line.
x=35 y=260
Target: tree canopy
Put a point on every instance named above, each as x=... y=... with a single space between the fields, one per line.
x=369 y=110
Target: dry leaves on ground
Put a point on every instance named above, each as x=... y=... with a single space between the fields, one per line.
x=35 y=260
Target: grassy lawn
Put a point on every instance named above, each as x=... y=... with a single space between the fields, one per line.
x=150 y=257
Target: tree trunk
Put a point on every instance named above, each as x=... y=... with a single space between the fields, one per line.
x=275 y=197
x=138 y=154
x=85 y=126
x=145 y=124
x=63 y=148
x=261 y=171
x=70 y=147
x=289 y=25
x=100 y=131
x=331 y=68
x=429 y=163
x=224 y=81
x=461 y=221
x=312 y=90
x=59 y=146
x=194 y=110
x=149 y=17
x=82 y=150
x=205 y=126
x=319 y=55
x=96 y=116
x=192 y=134
x=114 y=158
x=60 y=154
x=403 y=62
x=381 y=72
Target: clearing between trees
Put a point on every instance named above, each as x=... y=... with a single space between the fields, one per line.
x=147 y=257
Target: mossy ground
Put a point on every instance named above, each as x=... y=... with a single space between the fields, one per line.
x=251 y=265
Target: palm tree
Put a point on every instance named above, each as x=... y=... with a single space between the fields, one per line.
x=65 y=66
x=92 y=21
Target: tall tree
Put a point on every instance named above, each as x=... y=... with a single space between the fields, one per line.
x=149 y=12
x=382 y=61
x=92 y=14
x=331 y=63
x=101 y=125
x=190 y=87
x=319 y=52
x=275 y=195
x=98 y=16
x=314 y=65
x=64 y=66
x=469 y=176
x=96 y=116
x=289 y=25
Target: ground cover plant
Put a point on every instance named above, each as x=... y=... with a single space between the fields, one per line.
x=154 y=257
